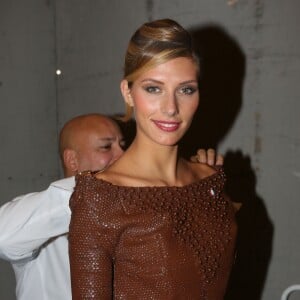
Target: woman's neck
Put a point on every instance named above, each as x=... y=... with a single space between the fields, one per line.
x=151 y=163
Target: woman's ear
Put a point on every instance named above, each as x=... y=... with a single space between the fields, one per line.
x=126 y=93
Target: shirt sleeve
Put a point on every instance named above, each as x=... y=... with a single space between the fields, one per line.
x=93 y=236
x=28 y=221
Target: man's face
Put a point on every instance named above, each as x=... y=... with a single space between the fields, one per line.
x=98 y=145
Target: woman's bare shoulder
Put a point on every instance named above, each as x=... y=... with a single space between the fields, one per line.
x=109 y=176
x=117 y=176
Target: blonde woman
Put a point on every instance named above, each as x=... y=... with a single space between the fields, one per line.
x=153 y=225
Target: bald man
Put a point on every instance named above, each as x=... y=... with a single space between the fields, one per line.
x=33 y=227
x=89 y=142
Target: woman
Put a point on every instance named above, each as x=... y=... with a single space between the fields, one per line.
x=153 y=225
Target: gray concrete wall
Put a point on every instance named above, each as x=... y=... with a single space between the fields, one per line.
x=249 y=107
x=28 y=134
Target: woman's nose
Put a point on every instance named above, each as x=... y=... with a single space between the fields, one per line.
x=170 y=105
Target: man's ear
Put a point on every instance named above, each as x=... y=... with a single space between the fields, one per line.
x=126 y=93
x=70 y=160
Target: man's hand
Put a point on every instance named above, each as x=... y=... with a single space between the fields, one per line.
x=208 y=157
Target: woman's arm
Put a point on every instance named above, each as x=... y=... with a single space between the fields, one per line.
x=90 y=245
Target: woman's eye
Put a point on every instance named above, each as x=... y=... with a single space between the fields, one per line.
x=152 y=89
x=188 y=90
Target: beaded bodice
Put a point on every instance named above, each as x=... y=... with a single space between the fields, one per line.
x=151 y=242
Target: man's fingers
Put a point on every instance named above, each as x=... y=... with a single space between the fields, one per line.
x=219 y=160
x=201 y=156
x=211 y=156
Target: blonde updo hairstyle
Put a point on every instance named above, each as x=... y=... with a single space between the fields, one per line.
x=155 y=43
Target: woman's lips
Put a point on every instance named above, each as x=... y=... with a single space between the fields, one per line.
x=167 y=125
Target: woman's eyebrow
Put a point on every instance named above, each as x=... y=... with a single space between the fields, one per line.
x=160 y=82
x=152 y=80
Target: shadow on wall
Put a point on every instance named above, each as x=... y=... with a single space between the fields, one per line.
x=254 y=243
x=221 y=86
x=222 y=70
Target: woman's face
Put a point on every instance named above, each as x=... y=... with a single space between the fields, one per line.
x=164 y=99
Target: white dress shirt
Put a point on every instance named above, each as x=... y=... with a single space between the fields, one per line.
x=33 y=237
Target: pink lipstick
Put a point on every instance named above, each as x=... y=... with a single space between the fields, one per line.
x=167 y=125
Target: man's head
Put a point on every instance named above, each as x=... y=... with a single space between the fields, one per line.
x=89 y=142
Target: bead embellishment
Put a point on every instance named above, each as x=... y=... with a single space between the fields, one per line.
x=199 y=214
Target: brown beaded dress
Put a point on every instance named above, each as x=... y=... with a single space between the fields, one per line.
x=151 y=242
